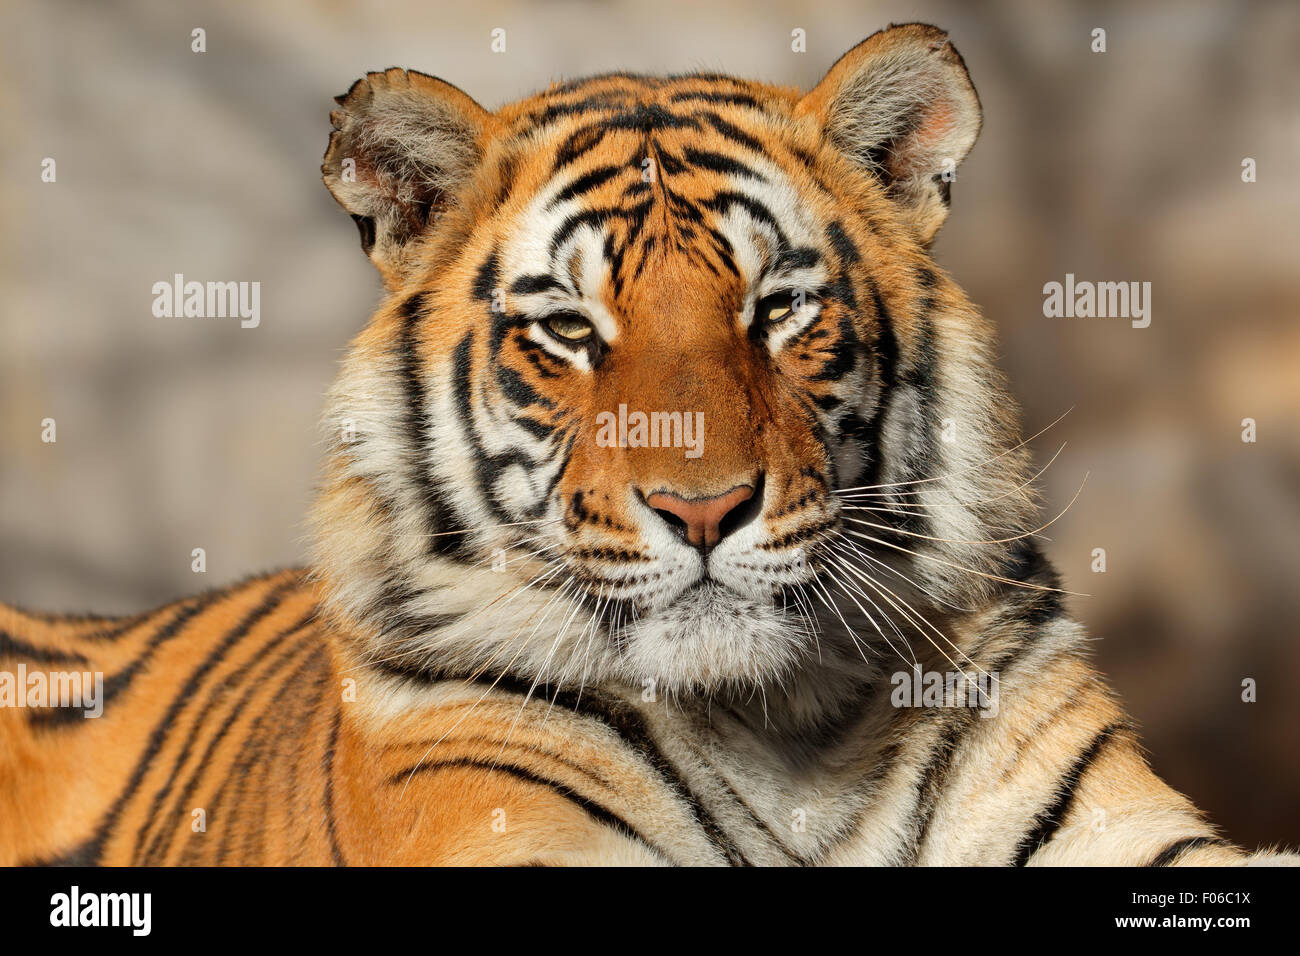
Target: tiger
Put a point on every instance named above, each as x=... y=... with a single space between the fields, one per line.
x=637 y=520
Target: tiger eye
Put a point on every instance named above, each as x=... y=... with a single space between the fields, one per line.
x=569 y=326
x=774 y=308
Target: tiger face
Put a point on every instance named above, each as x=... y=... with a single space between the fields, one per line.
x=641 y=332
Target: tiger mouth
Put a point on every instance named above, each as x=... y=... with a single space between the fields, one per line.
x=707 y=593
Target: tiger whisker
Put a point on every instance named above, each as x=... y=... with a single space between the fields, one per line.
x=476 y=529
x=1019 y=537
x=859 y=552
x=586 y=660
x=575 y=606
x=588 y=631
x=922 y=481
x=449 y=633
x=470 y=710
x=984 y=574
x=894 y=627
x=820 y=590
x=892 y=495
x=543 y=611
x=887 y=509
x=913 y=617
x=807 y=617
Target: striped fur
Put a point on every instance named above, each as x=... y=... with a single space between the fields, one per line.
x=501 y=654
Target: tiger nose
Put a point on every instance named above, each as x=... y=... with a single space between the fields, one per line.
x=703 y=522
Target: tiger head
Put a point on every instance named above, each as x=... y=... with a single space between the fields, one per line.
x=662 y=386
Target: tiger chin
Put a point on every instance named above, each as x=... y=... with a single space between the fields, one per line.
x=518 y=644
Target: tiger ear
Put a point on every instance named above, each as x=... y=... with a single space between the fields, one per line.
x=402 y=144
x=901 y=105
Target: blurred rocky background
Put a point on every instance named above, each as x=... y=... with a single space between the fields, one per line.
x=1123 y=165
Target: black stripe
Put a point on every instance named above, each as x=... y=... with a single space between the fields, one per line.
x=586 y=183
x=958 y=725
x=57 y=617
x=11 y=646
x=565 y=455
x=843 y=354
x=886 y=349
x=799 y=257
x=647 y=248
x=1024 y=561
x=624 y=720
x=731 y=99
x=328 y=768
x=668 y=163
x=1048 y=820
x=533 y=284
x=89 y=852
x=437 y=512
x=595 y=810
x=124 y=627
x=573 y=86
x=411 y=660
x=809 y=162
x=115 y=684
x=574 y=222
x=539 y=430
x=650 y=118
x=621 y=112
x=598 y=102
x=217 y=694
x=507 y=172
x=111 y=626
x=543 y=362
x=217 y=804
x=517 y=390
x=366 y=227
x=577 y=145
x=596 y=217
x=488 y=466
x=935 y=775
x=733 y=133
x=720 y=163
x=1174 y=851
x=844 y=247
x=703 y=76
x=485 y=279
x=116 y=626
x=635 y=189
x=919 y=456
x=391 y=610
x=761 y=824
x=613 y=254
x=723 y=201
x=944 y=186
x=683 y=208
